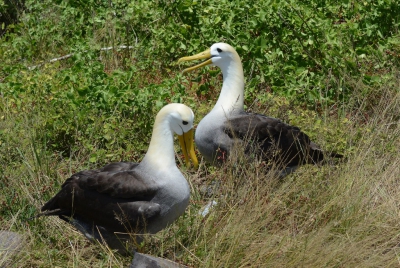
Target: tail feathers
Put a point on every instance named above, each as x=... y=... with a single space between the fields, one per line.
x=52 y=204
x=336 y=155
x=317 y=155
x=54 y=212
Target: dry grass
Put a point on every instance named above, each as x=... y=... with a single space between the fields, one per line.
x=340 y=215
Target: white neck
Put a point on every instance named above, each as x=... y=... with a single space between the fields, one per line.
x=231 y=97
x=161 y=154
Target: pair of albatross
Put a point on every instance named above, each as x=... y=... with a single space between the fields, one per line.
x=228 y=126
x=108 y=203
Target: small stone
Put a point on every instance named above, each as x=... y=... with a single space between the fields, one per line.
x=10 y=244
x=147 y=261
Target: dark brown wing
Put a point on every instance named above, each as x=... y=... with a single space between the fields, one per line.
x=272 y=139
x=115 y=197
x=119 y=180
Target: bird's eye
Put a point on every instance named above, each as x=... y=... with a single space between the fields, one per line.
x=185 y=122
x=219 y=50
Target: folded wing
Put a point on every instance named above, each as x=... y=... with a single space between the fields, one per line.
x=116 y=197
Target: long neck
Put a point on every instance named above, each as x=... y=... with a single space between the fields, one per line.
x=161 y=149
x=232 y=94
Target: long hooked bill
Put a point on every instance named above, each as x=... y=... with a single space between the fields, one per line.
x=186 y=142
x=203 y=55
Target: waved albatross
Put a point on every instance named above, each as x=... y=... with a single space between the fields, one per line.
x=108 y=203
x=228 y=125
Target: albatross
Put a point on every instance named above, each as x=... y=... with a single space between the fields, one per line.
x=227 y=125
x=125 y=200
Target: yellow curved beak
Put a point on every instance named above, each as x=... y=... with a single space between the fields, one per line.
x=187 y=145
x=203 y=55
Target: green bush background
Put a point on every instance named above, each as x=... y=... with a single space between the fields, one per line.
x=304 y=51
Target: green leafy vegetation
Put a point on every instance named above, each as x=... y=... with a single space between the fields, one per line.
x=331 y=68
